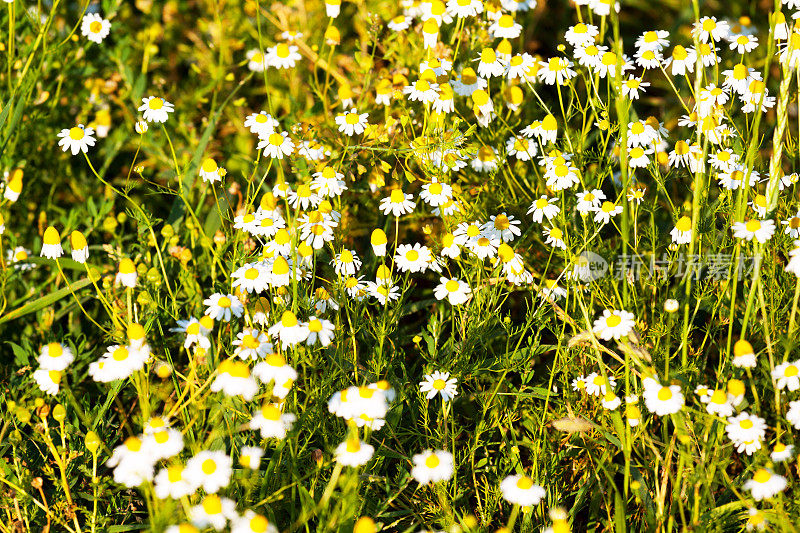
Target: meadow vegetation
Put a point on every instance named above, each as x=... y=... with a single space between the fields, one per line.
x=408 y=266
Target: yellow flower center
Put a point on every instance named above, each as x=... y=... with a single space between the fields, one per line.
x=120 y=354
x=665 y=394
x=439 y=384
x=54 y=349
x=155 y=104
x=250 y=342
x=175 y=473
x=282 y=50
x=524 y=483
x=432 y=461
x=212 y=504
x=209 y=466
x=259 y=524
x=753 y=225
x=76 y=133
x=224 y=302
x=684 y=224
x=762 y=476
x=270 y=412
x=209 y=165
x=288 y=319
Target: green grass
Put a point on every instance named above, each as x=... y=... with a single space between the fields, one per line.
x=514 y=351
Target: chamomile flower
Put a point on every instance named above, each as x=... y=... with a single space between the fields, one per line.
x=544 y=207
x=456 y=291
x=554 y=237
x=436 y=193
x=319 y=330
x=489 y=64
x=55 y=356
x=276 y=145
x=787 y=375
x=781 y=452
x=556 y=71
x=399 y=23
x=223 y=306
x=718 y=404
x=743 y=354
x=272 y=422
x=155 y=109
x=47 y=380
x=744 y=43
x=682 y=232
x=468 y=82
x=250 y=457
x=710 y=29
x=589 y=201
x=289 y=329
x=251 y=522
x=606 y=212
x=505 y=27
x=397 y=203
x=132 y=462
x=210 y=470
x=75 y=139
x=793 y=265
x=126 y=274
x=760 y=230
x=581 y=34
x=598 y=385
x=792 y=226
x=681 y=61
x=252 y=344
x=503 y=226
x=633 y=87
x=80 y=248
x=521 y=490
x=282 y=56
x=422 y=91
x=352 y=123
x=412 y=258
x=328 y=182
x=793 y=414
x=614 y=324
x=210 y=172
x=234 y=379
x=653 y=40
x=765 y=484
x=164 y=443
x=95 y=28
x=660 y=399
x=353 y=452
x=170 y=483
x=439 y=383
x=432 y=466
x=214 y=511
x=746 y=431
x=261 y=123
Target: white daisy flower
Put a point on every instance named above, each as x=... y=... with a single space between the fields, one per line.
x=155 y=109
x=439 y=383
x=76 y=139
x=432 y=466
x=95 y=28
